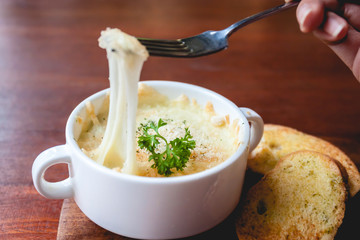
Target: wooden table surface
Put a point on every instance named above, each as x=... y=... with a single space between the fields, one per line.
x=50 y=61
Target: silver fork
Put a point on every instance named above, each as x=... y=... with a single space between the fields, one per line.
x=207 y=42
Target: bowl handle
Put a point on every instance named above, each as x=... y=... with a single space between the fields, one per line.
x=257 y=127
x=55 y=190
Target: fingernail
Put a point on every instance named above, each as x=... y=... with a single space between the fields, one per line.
x=303 y=12
x=333 y=26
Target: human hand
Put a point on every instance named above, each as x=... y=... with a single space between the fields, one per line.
x=337 y=23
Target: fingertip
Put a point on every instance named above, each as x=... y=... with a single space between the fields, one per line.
x=302 y=16
x=309 y=15
x=335 y=28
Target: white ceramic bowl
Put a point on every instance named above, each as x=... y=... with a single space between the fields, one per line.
x=144 y=207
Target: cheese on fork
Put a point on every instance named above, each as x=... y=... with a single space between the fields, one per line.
x=126 y=56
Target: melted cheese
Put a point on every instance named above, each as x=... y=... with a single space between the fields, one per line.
x=111 y=138
x=216 y=139
x=126 y=56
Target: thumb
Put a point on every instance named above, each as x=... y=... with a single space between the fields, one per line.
x=333 y=29
x=341 y=35
x=349 y=50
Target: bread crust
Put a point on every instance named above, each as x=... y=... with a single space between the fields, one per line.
x=278 y=141
x=302 y=197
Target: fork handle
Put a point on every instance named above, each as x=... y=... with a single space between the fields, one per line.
x=242 y=23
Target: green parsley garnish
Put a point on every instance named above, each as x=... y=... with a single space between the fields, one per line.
x=176 y=154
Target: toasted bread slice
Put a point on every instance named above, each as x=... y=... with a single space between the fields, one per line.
x=279 y=141
x=303 y=197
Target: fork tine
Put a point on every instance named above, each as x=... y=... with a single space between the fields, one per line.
x=169 y=53
x=163 y=47
x=166 y=45
x=167 y=49
x=161 y=42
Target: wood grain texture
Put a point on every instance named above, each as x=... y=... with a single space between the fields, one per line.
x=73 y=224
x=50 y=61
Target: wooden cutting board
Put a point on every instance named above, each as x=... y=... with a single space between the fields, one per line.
x=74 y=225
